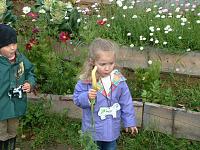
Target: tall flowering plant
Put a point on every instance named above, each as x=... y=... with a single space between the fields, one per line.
x=6 y=14
x=60 y=16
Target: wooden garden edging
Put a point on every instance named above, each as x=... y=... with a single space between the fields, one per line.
x=150 y=116
x=187 y=63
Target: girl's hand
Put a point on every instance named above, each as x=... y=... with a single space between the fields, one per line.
x=26 y=87
x=92 y=94
x=133 y=130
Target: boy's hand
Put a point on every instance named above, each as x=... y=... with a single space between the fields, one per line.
x=92 y=94
x=133 y=130
x=26 y=87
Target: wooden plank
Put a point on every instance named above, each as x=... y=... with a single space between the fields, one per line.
x=158 y=118
x=187 y=63
x=165 y=119
x=187 y=124
x=60 y=103
x=131 y=58
x=138 y=106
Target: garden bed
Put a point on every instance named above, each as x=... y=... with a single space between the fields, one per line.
x=165 y=119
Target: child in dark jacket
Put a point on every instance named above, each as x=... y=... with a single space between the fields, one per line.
x=16 y=79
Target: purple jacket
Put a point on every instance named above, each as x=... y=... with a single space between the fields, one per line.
x=109 y=128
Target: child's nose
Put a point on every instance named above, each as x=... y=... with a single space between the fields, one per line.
x=12 y=46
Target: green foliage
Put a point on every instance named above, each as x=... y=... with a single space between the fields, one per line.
x=59 y=16
x=55 y=73
x=47 y=128
x=87 y=142
x=167 y=27
x=150 y=140
x=6 y=12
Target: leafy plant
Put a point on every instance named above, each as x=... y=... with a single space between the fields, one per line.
x=133 y=23
x=6 y=12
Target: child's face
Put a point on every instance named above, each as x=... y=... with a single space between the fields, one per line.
x=105 y=63
x=9 y=51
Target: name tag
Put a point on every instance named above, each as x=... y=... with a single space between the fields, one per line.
x=104 y=111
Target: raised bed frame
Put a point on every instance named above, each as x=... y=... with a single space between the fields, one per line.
x=170 y=120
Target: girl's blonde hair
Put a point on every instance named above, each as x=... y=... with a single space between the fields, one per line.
x=97 y=45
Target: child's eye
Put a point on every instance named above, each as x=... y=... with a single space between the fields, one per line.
x=102 y=64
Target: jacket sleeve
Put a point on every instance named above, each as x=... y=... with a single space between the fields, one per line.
x=80 y=96
x=29 y=72
x=127 y=108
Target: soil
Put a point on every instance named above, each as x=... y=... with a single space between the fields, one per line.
x=25 y=145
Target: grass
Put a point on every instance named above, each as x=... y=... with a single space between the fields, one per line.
x=44 y=130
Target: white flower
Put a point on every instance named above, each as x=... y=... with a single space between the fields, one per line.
x=124 y=16
x=178 y=16
x=157 y=29
x=172 y=5
x=180 y=37
x=23 y=136
x=67 y=18
x=132 y=45
x=112 y=17
x=130 y=7
x=133 y=3
x=184 y=19
x=143 y=38
x=151 y=39
x=182 y=23
x=163 y=16
x=143 y=78
x=78 y=20
x=155 y=6
x=177 y=9
x=42 y=11
x=177 y=69
x=151 y=28
x=98 y=16
x=108 y=25
x=198 y=21
x=125 y=7
x=198 y=14
x=69 y=5
x=85 y=27
x=141 y=48
x=129 y=34
x=156 y=41
x=164 y=43
x=26 y=10
x=150 y=62
x=151 y=34
x=119 y=3
x=188 y=50
x=105 y=19
x=157 y=16
x=148 y=9
x=134 y=16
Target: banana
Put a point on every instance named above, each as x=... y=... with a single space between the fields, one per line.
x=94 y=80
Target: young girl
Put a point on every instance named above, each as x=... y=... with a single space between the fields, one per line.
x=113 y=99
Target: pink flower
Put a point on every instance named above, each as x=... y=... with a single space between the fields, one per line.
x=35 y=30
x=31 y=43
x=64 y=36
x=33 y=15
x=101 y=22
